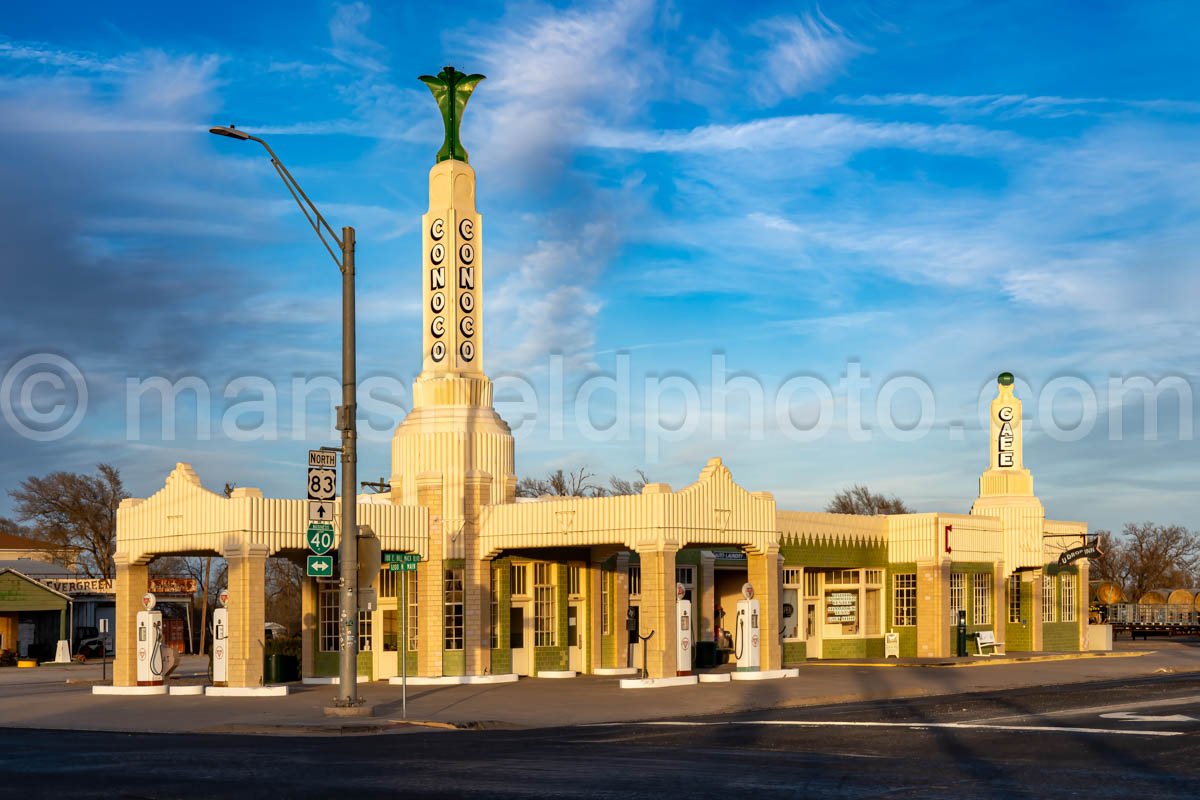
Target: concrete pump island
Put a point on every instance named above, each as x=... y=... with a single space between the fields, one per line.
x=473 y=585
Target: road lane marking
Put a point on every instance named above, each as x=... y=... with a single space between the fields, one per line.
x=907 y=725
x=1129 y=716
x=1101 y=710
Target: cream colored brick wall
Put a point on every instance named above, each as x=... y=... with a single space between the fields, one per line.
x=133 y=580
x=247 y=613
x=763 y=572
x=933 y=609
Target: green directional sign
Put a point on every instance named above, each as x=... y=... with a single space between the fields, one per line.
x=401 y=558
x=320 y=537
x=320 y=566
x=402 y=566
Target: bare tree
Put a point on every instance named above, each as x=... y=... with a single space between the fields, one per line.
x=77 y=514
x=860 y=500
x=1148 y=556
x=283 y=579
x=13 y=528
x=623 y=486
x=578 y=483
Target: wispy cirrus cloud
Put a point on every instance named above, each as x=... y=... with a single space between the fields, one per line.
x=805 y=53
x=1021 y=105
x=809 y=132
x=350 y=43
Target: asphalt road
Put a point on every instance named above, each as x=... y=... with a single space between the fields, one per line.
x=1101 y=740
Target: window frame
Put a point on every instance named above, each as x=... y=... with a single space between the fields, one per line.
x=904 y=600
x=983 y=598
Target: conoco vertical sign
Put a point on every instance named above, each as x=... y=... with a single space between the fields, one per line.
x=452 y=266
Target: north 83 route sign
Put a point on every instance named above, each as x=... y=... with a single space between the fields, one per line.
x=322 y=484
x=322 y=475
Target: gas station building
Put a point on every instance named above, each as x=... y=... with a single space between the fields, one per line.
x=552 y=586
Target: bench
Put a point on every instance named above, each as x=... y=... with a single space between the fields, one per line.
x=987 y=639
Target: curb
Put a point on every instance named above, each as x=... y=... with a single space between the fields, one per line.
x=984 y=661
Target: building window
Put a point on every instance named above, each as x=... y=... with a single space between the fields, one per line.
x=873 y=577
x=1014 y=598
x=904 y=599
x=364 y=631
x=842 y=576
x=517 y=575
x=981 y=583
x=604 y=600
x=452 y=594
x=686 y=576
x=391 y=631
x=1047 y=598
x=493 y=612
x=574 y=580
x=635 y=581
x=812 y=584
x=329 y=610
x=958 y=595
x=412 y=617
x=389 y=582
x=543 y=605
x=1068 y=597
x=790 y=610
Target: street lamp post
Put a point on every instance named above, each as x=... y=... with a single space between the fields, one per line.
x=346 y=416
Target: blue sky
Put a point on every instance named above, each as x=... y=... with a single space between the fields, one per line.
x=919 y=193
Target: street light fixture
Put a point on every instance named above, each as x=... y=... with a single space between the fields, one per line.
x=346 y=415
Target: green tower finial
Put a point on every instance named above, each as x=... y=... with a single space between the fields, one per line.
x=1005 y=379
x=451 y=89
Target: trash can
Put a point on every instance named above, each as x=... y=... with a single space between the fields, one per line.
x=706 y=655
x=272 y=667
x=280 y=668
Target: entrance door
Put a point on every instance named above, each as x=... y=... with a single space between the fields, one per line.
x=812 y=629
x=575 y=636
x=520 y=640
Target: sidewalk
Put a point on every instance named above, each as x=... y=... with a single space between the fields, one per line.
x=541 y=703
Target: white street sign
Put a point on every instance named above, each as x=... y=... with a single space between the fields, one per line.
x=320 y=510
x=322 y=483
x=326 y=459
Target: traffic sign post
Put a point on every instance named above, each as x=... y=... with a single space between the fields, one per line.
x=320 y=566
x=320 y=510
x=320 y=537
x=322 y=483
x=325 y=459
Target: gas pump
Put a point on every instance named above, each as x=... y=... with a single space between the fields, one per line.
x=220 y=645
x=149 y=643
x=631 y=628
x=683 y=615
x=745 y=631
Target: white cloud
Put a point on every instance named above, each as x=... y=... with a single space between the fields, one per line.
x=351 y=45
x=1021 y=105
x=805 y=54
x=822 y=132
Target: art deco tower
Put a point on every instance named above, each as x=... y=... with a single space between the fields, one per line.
x=1006 y=487
x=452 y=454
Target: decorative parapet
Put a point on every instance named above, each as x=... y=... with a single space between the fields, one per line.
x=184 y=518
x=712 y=511
x=924 y=537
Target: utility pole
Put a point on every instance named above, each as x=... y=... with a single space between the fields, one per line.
x=346 y=422
x=348 y=551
